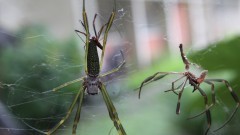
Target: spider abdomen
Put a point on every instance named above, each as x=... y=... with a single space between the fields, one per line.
x=93 y=59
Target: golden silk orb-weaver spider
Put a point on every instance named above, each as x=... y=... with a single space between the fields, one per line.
x=195 y=82
x=92 y=83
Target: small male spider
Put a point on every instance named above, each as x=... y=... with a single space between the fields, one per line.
x=195 y=82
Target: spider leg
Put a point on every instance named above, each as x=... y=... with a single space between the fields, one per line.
x=112 y=111
x=180 y=95
x=77 y=31
x=100 y=31
x=213 y=100
x=173 y=89
x=82 y=24
x=109 y=24
x=85 y=24
x=234 y=95
x=94 y=28
x=64 y=85
x=95 y=31
x=79 y=95
x=184 y=58
x=97 y=35
x=150 y=79
x=213 y=92
x=77 y=116
x=154 y=77
x=207 y=111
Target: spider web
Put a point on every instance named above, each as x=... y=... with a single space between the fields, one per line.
x=43 y=62
x=25 y=98
x=40 y=64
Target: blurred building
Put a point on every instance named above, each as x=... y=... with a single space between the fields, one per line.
x=152 y=27
x=191 y=22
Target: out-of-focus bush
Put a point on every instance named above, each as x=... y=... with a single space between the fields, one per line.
x=36 y=63
x=221 y=60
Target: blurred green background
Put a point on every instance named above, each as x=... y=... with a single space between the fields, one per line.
x=39 y=65
x=39 y=51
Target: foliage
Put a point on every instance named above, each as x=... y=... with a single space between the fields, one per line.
x=221 y=60
x=36 y=64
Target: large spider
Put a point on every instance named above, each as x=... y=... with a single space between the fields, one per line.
x=194 y=81
x=92 y=83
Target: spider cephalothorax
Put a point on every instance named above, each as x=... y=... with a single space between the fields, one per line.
x=195 y=82
x=91 y=85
